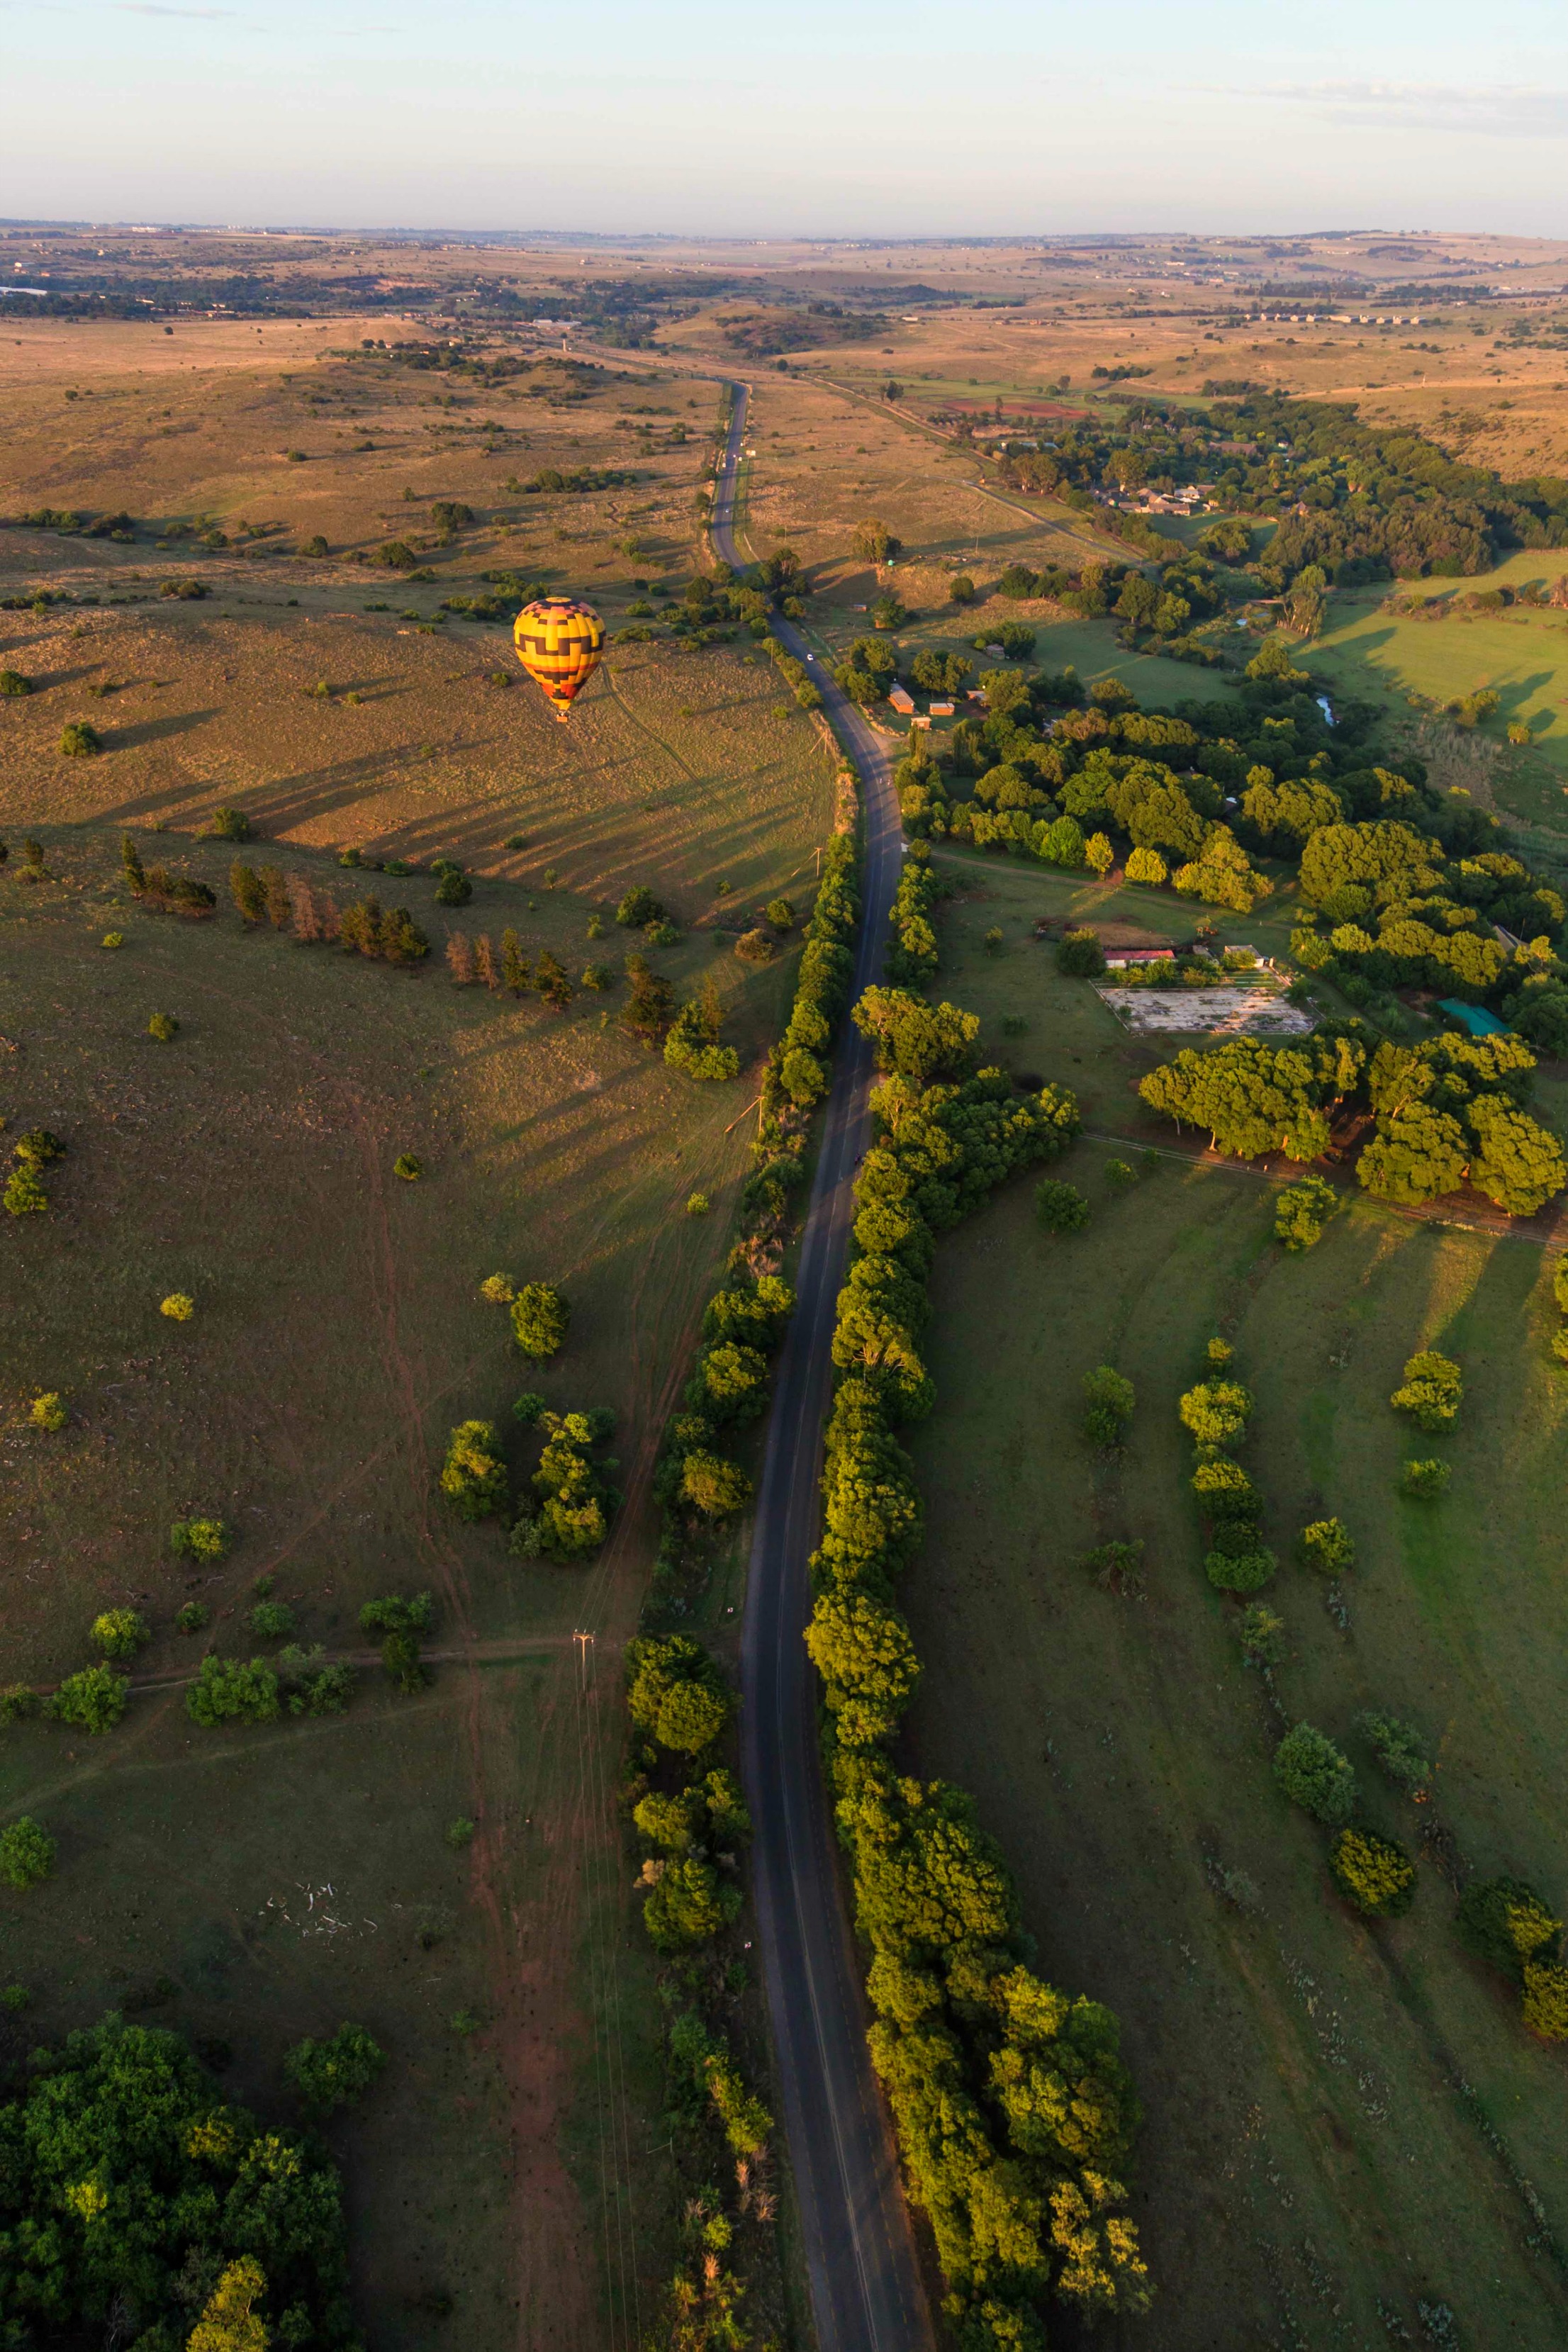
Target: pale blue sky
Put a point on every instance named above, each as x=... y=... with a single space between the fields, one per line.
x=828 y=117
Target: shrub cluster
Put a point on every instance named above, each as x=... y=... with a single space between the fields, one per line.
x=1014 y=2112
x=1505 y=1922
x=1315 y=1774
x=326 y=2076
x=476 y=961
x=1373 y=1873
x=1559 y=1294
x=261 y=894
x=165 y=893
x=26 y=1193
x=540 y=1318
x=93 y=1701
x=233 y=1690
x=309 y=1684
x=26 y=1854
x=1108 y=1401
x=400 y=1619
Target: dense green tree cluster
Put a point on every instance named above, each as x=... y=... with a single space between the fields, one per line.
x=233 y=1690
x=868 y=670
x=1356 y=501
x=1452 y=1109
x=92 y=1700
x=1403 y=914
x=1408 y=885
x=1447 y=1111
x=1379 y=501
x=796 y=1074
x=137 y=2205
x=1014 y=2112
x=693 y=1043
x=678 y=1699
x=1255 y=1097
x=26 y=1854
x=729 y=1383
x=911 y=957
x=576 y=1501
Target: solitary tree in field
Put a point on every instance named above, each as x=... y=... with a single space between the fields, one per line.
x=1373 y=1873
x=1329 y=1546
x=473 y=1476
x=1314 y=1775
x=26 y=1854
x=1060 y=1208
x=873 y=542
x=1432 y=1390
x=119 y=1632
x=1108 y=1401
x=540 y=1317
x=1215 y=1411
x=1302 y=1210
x=325 y=2076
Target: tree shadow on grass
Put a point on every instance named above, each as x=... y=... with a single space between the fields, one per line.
x=156 y=731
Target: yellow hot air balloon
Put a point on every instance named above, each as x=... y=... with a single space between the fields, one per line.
x=559 y=643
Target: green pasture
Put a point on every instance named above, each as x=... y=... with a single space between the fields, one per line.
x=1310 y=2163
x=1066 y=1021
x=1521 y=655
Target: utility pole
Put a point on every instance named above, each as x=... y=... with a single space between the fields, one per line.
x=585 y=1650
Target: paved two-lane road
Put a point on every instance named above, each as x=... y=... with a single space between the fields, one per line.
x=866 y=2289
